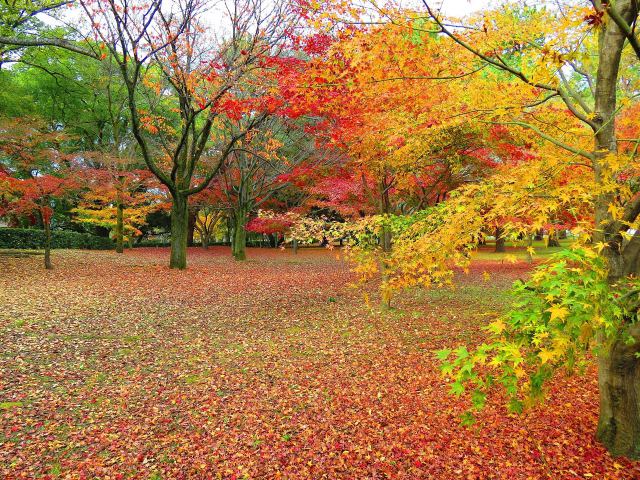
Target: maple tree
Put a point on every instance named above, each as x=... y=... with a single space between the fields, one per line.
x=34 y=174
x=552 y=86
x=257 y=172
x=556 y=79
x=35 y=196
x=118 y=198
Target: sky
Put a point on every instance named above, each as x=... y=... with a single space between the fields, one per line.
x=460 y=8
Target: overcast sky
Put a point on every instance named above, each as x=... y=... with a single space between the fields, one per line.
x=460 y=8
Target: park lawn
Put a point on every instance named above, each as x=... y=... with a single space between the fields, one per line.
x=117 y=367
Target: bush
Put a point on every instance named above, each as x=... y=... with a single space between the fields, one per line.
x=152 y=243
x=33 y=238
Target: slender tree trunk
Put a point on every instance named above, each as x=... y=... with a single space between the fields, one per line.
x=119 y=227
x=179 y=232
x=229 y=235
x=192 y=227
x=385 y=240
x=47 y=245
x=529 y=245
x=294 y=245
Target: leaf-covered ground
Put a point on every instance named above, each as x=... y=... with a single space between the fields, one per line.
x=116 y=367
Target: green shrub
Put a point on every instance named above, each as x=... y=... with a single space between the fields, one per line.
x=152 y=243
x=34 y=238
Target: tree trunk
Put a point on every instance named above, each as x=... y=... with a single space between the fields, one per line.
x=294 y=244
x=179 y=232
x=500 y=241
x=47 y=245
x=119 y=227
x=192 y=227
x=553 y=241
x=619 y=384
x=239 y=241
x=619 y=372
x=229 y=235
x=529 y=246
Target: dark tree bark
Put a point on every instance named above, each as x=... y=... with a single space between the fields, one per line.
x=191 y=226
x=47 y=245
x=500 y=241
x=553 y=240
x=619 y=384
x=179 y=232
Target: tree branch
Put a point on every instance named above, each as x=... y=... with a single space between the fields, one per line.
x=49 y=42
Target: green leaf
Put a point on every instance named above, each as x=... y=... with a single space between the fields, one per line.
x=457 y=389
x=443 y=354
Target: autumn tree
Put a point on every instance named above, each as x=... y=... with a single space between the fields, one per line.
x=257 y=170
x=36 y=196
x=168 y=48
x=117 y=197
x=565 y=73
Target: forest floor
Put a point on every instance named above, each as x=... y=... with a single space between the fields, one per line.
x=116 y=367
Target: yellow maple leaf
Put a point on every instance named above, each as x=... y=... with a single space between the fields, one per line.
x=546 y=355
x=600 y=246
x=497 y=327
x=558 y=311
x=615 y=211
x=520 y=372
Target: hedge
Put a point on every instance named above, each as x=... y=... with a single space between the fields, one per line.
x=33 y=238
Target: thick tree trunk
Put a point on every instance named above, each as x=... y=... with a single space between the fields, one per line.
x=619 y=370
x=47 y=245
x=619 y=384
x=179 y=232
x=553 y=239
x=500 y=241
x=119 y=227
x=239 y=241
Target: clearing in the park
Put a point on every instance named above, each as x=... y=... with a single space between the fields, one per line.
x=117 y=367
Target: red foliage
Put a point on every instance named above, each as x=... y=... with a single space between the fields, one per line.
x=269 y=225
x=35 y=195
